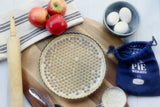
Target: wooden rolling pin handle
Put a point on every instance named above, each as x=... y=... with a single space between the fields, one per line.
x=12 y=26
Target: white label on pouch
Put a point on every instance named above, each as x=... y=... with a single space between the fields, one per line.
x=137 y=81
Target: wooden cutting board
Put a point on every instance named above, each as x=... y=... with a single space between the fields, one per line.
x=31 y=76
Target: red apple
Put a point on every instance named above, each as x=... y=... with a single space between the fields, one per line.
x=56 y=7
x=56 y=24
x=38 y=16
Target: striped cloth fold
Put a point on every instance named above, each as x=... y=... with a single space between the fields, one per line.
x=28 y=33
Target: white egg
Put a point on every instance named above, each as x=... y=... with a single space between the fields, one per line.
x=112 y=18
x=125 y=14
x=121 y=27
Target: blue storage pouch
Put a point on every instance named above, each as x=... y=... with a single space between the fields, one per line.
x=138 y=71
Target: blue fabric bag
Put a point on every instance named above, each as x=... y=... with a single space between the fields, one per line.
x=138 y=71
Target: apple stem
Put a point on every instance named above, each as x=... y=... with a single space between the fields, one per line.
x=56 y=5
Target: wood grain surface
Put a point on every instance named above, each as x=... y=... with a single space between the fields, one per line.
x=31 y=76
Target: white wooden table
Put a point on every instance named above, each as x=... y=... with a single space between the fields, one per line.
x=149 y=11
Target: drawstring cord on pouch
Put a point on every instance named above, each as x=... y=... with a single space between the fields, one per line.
x=111 y=49
x=153 y=42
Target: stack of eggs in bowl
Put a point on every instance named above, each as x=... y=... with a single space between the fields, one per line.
x=121 y=19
